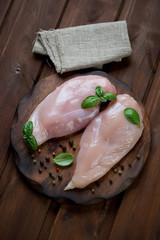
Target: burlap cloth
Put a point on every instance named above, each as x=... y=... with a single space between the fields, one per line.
x=84 y=46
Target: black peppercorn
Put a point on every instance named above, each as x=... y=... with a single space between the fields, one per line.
x=111 y=182
x=122 y=167
x=41 y=163
x=74 y=148
x=47 y=159
x=70 y=143
x=97 y=183
x=60 y=177
x=51 y=175
x=64 y=148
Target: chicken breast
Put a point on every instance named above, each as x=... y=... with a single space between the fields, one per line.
x=106 y=140
x=60 y=113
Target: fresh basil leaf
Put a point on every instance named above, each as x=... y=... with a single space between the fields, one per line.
x=132 y=116
x=90 y=102
x=103 y=99
x=28 y=128
x=110 y=96
x=32 y=142
x=99 y=91
x=64 y=159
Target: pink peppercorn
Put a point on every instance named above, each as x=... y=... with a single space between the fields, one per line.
x=50 y=144
x=57 y=169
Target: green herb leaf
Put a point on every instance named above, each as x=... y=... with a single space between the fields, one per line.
x=103 y=99
x=32 y=142
x=28 y=128
x=90 y=102
x=132 y=116
x=99 y=91
x=110 y=96
x=64 y=159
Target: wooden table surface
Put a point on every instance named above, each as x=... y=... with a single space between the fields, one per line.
x=26 y=214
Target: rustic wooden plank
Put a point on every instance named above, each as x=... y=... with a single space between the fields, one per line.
x=109 y=214
x=18 y=66
x=4 y=8
x=22 y=210
x=142 y=19
x=7 y=27
x=7 y=172
x=139 y=213
x=85 y=221
x=77 y=222
x=91 y=11
x=49 y=221
x=136 y=73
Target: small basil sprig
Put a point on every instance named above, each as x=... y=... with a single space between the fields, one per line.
x=64 y=159
x=32 y=142
x=110 y=96
x=132 y=116
x=27 y=135
x=27 y=129
x=92 y=101
x=99 y=91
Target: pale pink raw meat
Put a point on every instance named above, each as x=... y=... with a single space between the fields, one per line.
x=60 y=113
x=106 y=140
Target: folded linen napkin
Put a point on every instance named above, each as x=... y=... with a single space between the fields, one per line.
x=84 y=46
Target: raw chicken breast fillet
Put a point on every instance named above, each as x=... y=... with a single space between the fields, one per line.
x=106 y=140
x=60 y=113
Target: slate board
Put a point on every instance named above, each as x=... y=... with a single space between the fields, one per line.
x=42 y=182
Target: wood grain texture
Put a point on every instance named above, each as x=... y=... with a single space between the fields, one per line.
x=91 y=11
x=143 y=29
x=49 y=221
x=85 y=222
x=21 y=210
x=90 y=217
x=7 y=172
x=4 y=7
x=18 y=66
x=139 y=76
x=42 y=182
x=140 y=208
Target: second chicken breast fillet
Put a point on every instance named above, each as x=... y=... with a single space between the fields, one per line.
x=107 y=139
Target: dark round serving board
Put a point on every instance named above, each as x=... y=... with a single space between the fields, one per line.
x=43 y=182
